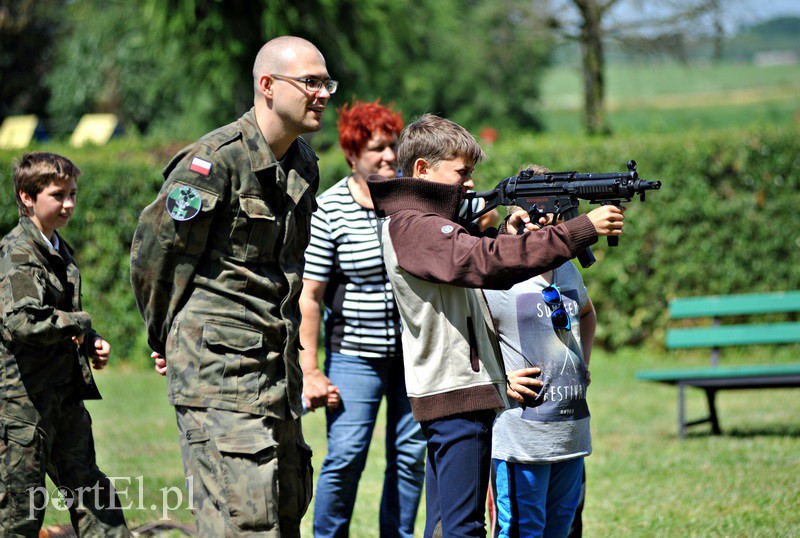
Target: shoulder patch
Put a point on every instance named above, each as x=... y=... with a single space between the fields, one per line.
x=184 y=203
x=200 y=166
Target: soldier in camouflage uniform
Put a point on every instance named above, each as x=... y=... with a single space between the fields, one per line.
x=216 y=267
x=44 y=372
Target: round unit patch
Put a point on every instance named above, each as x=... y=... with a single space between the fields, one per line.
x=184 y=203
x=446 y=229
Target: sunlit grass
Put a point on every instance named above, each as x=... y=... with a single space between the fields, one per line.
x=642 y=480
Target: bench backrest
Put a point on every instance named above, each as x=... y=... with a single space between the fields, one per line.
x=733 y=335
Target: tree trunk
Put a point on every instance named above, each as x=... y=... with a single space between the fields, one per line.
x=593 y=61
x=719 y=31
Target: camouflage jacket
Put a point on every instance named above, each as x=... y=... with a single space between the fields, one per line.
x=216 y=267
x=41 y=312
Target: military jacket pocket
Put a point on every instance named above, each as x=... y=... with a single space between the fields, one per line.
x=232 y=362
x=249 y=469
x=255 y=229
x=244 y=444
x=189 y=236
x=21 y=433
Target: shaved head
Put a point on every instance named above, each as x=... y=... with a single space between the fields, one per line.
x=278 y=55
x=284 y=106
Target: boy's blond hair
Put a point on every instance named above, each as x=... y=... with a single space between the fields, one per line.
x=436 y=139
x=36 y=170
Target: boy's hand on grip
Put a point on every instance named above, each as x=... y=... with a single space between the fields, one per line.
x=519 y=220
x=607 y=219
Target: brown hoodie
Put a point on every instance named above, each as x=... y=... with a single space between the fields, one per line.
x=452 y=360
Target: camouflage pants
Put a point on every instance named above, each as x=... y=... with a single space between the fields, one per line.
x=248 y=475
x=51 y=432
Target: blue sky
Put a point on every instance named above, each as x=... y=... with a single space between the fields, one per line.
x=753 y=10
x=771 y=8
x=737 y=13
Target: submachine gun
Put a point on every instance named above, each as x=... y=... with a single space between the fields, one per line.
x=559 y=193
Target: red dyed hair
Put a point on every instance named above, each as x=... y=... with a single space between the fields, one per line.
x=360 y=121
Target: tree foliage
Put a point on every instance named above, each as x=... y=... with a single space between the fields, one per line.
x=458 y=58
x=28 y=29
x=181 y=67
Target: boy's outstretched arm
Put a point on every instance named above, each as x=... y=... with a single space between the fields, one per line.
x=435 y=249
x=607 y=220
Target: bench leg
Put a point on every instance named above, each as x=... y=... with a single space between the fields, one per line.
x=681 y=411
x=712 y=411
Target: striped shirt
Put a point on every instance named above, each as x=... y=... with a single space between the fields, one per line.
x=360 y=314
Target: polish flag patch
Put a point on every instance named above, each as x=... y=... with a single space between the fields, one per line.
x=200 y=166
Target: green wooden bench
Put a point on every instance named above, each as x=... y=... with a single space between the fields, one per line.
x=714 y=378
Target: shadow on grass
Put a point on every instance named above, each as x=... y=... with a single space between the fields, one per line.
x=156 y=529
x=776 y=430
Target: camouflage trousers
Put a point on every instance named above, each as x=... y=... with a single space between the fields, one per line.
x=248 y=475
x=51 y=432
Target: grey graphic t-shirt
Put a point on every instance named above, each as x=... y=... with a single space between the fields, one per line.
x=555 y=426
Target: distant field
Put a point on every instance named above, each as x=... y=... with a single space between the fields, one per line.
x=652 y=84
x=670 y=97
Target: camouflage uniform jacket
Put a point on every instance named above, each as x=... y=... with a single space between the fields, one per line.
x=41 y=312
x=219 y=290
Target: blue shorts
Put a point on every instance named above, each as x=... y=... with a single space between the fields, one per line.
x=537 y=500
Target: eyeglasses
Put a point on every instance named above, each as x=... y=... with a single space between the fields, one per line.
x=558 y=315
x=312 y=84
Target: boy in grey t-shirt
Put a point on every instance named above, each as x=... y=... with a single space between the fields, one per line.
x=546 y=328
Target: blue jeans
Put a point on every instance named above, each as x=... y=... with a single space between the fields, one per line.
x=537 y=500
x=457 y=473
x=362 y=384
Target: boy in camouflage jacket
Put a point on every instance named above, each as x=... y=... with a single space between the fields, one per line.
x=45 y=345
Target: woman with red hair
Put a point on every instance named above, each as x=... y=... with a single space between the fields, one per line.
x=345 y=277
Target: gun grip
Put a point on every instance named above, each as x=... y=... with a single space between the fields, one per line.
x=586 y=258
x=613 y=240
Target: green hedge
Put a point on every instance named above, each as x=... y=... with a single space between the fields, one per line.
x=725 y=221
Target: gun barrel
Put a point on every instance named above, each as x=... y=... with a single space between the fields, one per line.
x=646 y=185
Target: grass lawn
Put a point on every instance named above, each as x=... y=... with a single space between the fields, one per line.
x=642 y=481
